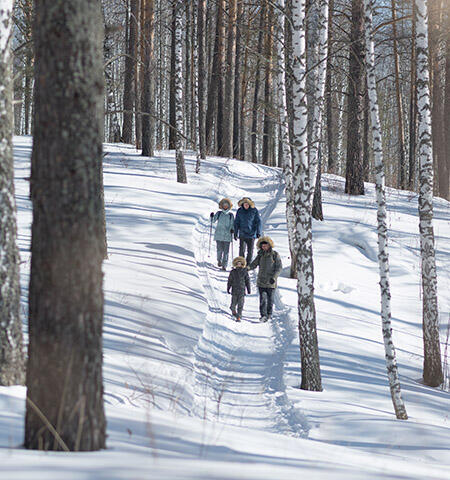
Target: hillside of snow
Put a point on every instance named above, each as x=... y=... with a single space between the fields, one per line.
x=191 y=394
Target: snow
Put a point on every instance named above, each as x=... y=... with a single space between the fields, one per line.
x=190 y=394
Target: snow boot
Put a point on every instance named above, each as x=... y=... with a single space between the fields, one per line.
x=238 y=318
x=263 y=319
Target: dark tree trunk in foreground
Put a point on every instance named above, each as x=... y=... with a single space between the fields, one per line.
x=11 y=344
x=64 y=407
x=354 y=177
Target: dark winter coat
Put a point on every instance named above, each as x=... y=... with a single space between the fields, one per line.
x=269 y=264
x=238 y=281
x=247 y=223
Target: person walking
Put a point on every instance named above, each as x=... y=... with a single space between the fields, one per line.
x=270 y=266
x=247 y=227
x=238 y=282
x=224 y=231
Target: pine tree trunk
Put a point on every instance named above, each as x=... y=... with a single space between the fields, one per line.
x=202 y=75
x=354 y=176
x=432 y=370
x=268 y=130
x=12 y=361
x=172 y=88
x=220 y=79
x=129 y=82
x=254 y=132
x=228 y=112
x=138 y=78
x=237 y=81
x=64 y=373
x=445 y=188
x=398 y=93
x=148 y=67
x=383 y=256
x=309 y=348
x=179 y=123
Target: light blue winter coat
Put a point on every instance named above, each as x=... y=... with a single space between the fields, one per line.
x=225 y=223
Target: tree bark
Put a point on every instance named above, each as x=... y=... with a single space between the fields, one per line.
x=147 y=95
x=413 y=104
x=202 y=76
x=129 y=80
x=309 y=348
x=64 y=373
x=383 y=255
x=172 y=94
x=445 y=185
x=432 y=369
x=12 y=361
x=354 y=176
x=268 y=127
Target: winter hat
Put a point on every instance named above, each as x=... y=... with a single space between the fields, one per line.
x=246 y=200
x=262 y=240
x=225 y=200
x=239 y=259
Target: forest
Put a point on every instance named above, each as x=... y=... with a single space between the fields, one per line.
x=123 y=123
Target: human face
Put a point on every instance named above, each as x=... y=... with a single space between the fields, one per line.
x=226 y=205
x=265 y=246
x=246 y=205
x=239 y=264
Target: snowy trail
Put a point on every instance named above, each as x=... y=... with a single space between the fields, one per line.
x=238 y=367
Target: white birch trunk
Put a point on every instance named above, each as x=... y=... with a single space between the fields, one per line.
x=12 y=364
x=311 y=378
x=284 y=130
x=179 y=123
x=432 y=369
x=317 y=62
x=383 y=256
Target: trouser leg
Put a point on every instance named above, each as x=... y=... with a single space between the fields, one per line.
x=234 y=302
x=250 y=243
x=263 y=300
x=240 y=305
x=241 y=247
x=270 y=295
x=226 y=251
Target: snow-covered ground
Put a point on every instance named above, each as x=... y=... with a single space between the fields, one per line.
x=190 y=394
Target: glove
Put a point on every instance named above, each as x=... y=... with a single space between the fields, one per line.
x=272 y=281
x=228 y=292
x=258 y=235
x=235 y=236
x=231 y=231
x=211 y=214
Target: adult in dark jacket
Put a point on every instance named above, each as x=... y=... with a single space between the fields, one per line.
x=238 y=282
x=269 y=263
x=247 y=227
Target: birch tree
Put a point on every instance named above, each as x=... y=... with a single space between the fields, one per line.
x=432 y=368
x=201 y=80
x=64 y=405
x=383 y=256
x=303 y=191
x=11 y=344
x=179 y=123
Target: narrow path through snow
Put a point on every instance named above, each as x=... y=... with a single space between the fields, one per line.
x=238 y=367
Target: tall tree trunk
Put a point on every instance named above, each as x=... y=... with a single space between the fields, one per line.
x=331 y=155
x=220 y=80
x=413 y=104
x=228 y=111
x=284 y=124
x=12 y=361
x=237 y=80
x=202 y=75
x=64 y=373
x=309 y=347
x=179 y=123
x=445 y=187
x=172 y=94
x=354 y=176
x=138 y=78
x=129 y=82
x=255 y=111
x=432 y=370
x=383 y=256
x=148 y=67
x=398 y=93
x=268 y=128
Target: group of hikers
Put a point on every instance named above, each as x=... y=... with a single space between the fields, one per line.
x=246 y=227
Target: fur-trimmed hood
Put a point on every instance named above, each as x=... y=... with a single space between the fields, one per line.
x=264 y=239
x=239 y=259
x=225 y=200
x=246 y=200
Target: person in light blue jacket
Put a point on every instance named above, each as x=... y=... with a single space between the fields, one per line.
x=224 y=231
